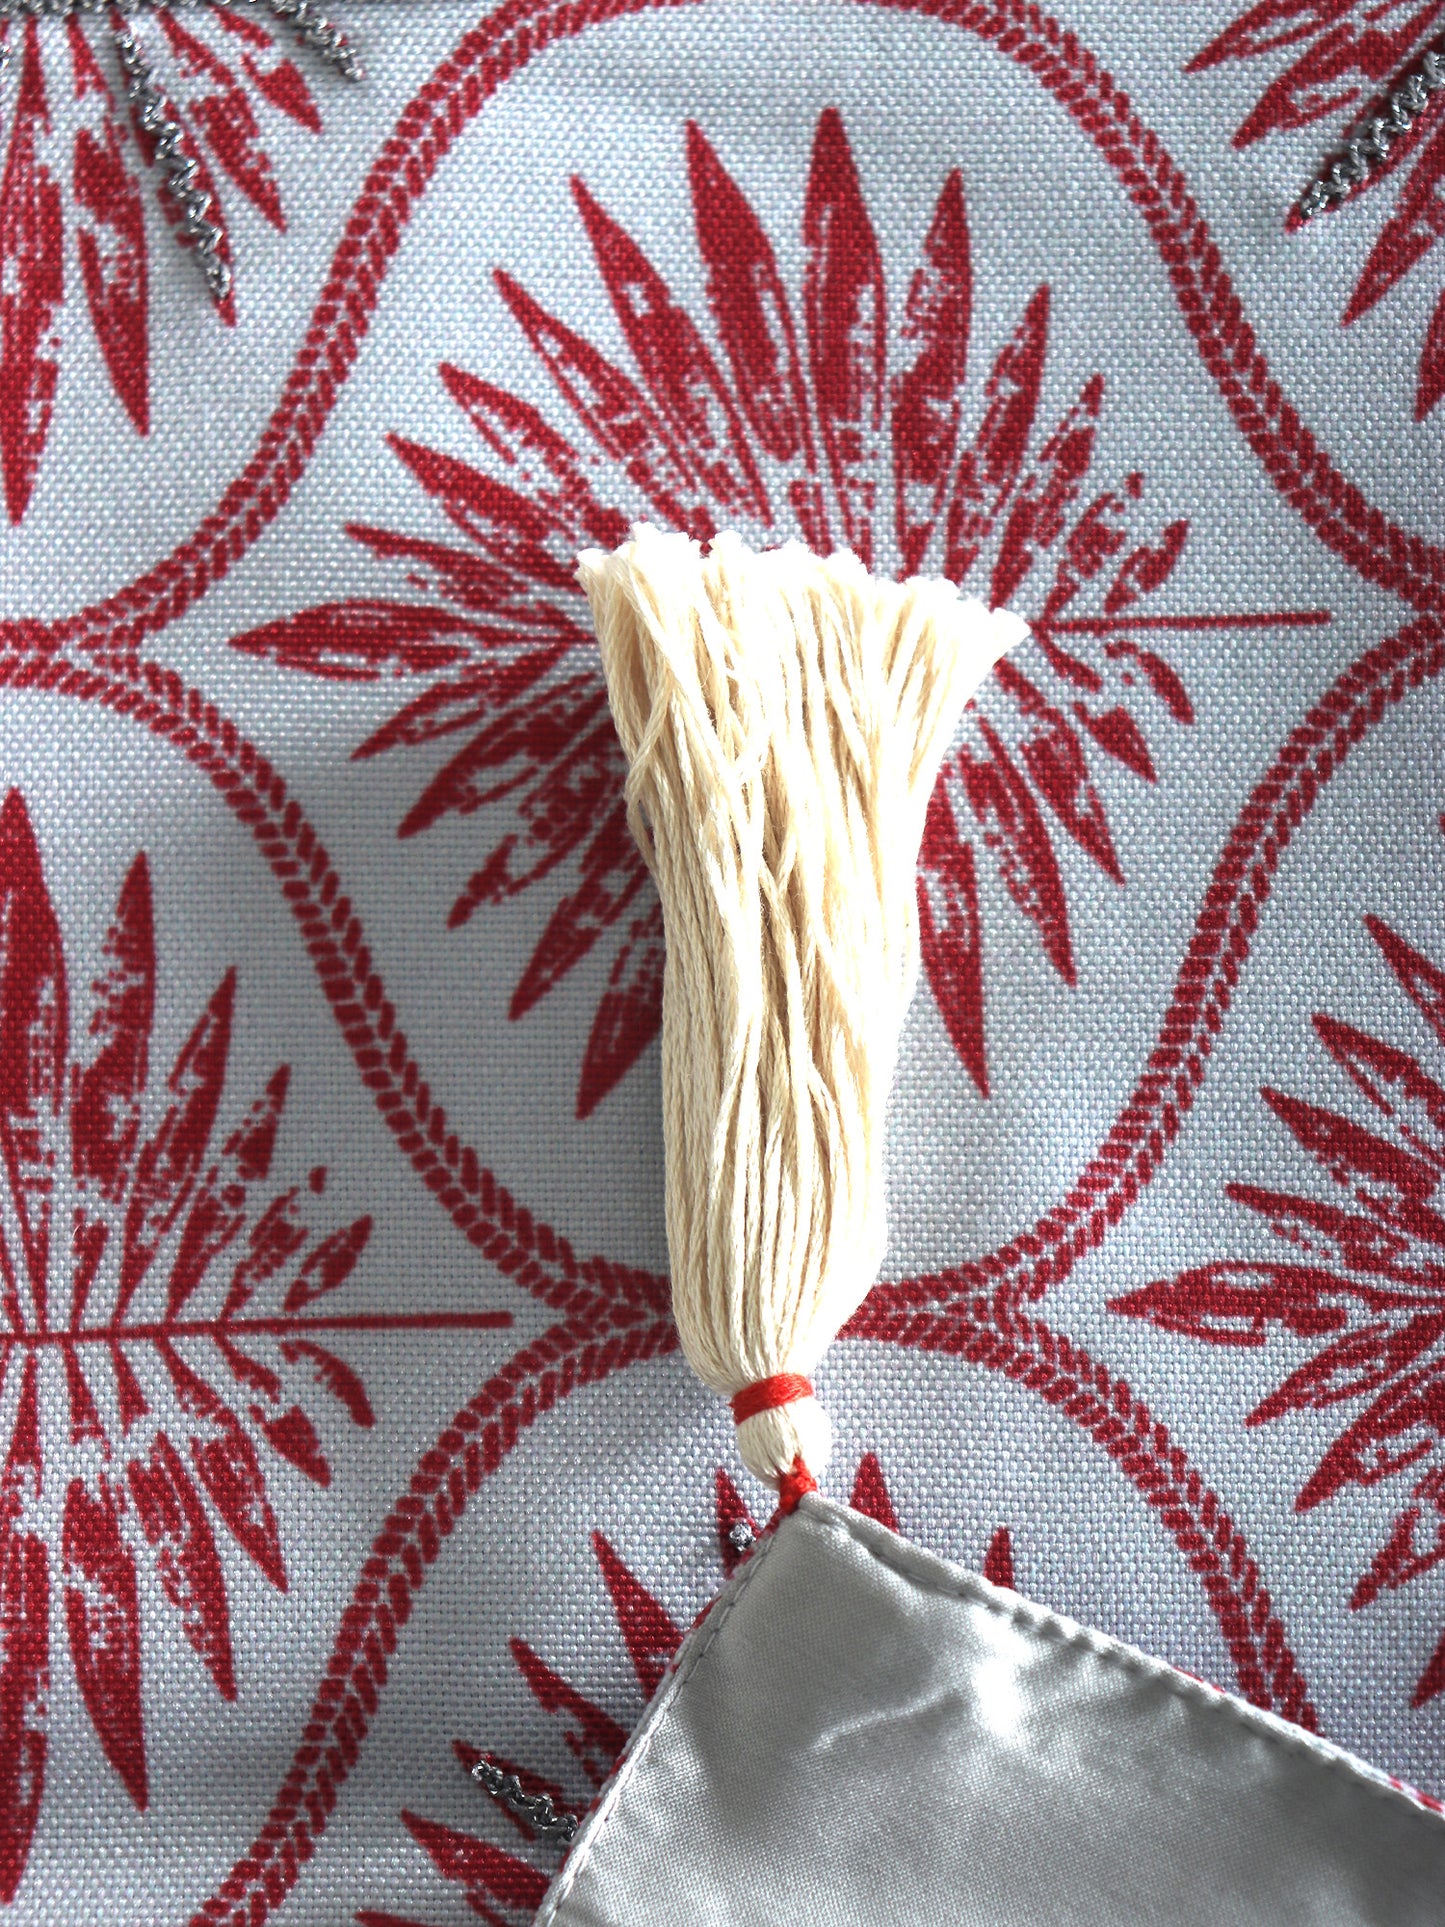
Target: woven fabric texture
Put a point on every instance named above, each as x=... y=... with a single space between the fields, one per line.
x=342 y=1430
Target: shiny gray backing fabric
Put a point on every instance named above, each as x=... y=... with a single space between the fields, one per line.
x=860 y=1732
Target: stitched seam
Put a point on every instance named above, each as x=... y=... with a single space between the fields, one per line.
x=655 y=1720
x=1038 y=1619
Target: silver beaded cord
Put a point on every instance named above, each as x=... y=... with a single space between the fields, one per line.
x=179 y=168
x=537 y=1809
x=1374 y=140
x=314 y=30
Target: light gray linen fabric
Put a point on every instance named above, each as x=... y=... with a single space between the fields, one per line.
x=860 y=1732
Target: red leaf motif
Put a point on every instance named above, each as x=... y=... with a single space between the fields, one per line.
x=484 y=1872
x=219 y=1210
x=1264 y=28
x=294 y=1437
x=448 y=707
x=755 y=326
x=1037 y=517
x=1422 y=982
x=1353 y=1155
x=276 y=1237
x=649 y=1633
x=871 y=1494
x=612 y=874
x=508 y=528
x=226 y=1461
x=843 y=303
x=595 y=1737
x=174 y=1522
x=1401 y=1427
x=360 y=640
x=559 y=810
x=105 y=1107
x=679 y=371
x=613 y=410
x=1403 y=1557
x=1119 y=736
x=1054 y=758
x=1235 y=1304
x=1393 y=1081
x=224 y=117
x=282 y=84
x=334 y=1376
x=1409 y=234
x=31 y=285
x=34 y=1039
x=330 y=1264
x=1013 y=829
x=168 y=1164
x=1301 y=94
x=524 y=739
x=24 y=1645
x=1098 y=535
x=950 y=934
x=112 y=245
x=1357 y=1243
x=926 y=394
x=102 y=1616
x=1146 y=569
x=548 y=471
x=508 y=599
x=1161 y=678
x=998 y=1561
x=1432 y=1680
x=732 y=1511
x=1431 y=384
x=990 y=468
x=629 y=1014
x=1361 y=1361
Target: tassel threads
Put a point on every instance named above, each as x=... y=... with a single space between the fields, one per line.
x=784 y=716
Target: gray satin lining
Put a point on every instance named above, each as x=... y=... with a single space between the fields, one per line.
x=860 y=1733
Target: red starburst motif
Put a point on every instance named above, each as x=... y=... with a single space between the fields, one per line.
x=70 y=170
x=1342 y=61
x=810 y=416
x=156 y=1306
x=501 y=1887
x=1369 y=1288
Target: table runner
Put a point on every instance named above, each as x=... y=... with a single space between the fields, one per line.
x=343 y=1431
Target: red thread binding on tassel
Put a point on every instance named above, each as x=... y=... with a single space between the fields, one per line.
x=768 y=1394
x=793 y=1485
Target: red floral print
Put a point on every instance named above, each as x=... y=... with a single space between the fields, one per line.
x=1368 y=1288
x=1343 y=60
x=155 y=1310
x=70 y=166
x=816 y=422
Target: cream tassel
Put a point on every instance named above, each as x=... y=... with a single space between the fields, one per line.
x=784 y=717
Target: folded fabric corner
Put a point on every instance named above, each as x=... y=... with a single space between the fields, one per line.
x=858 y=1732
